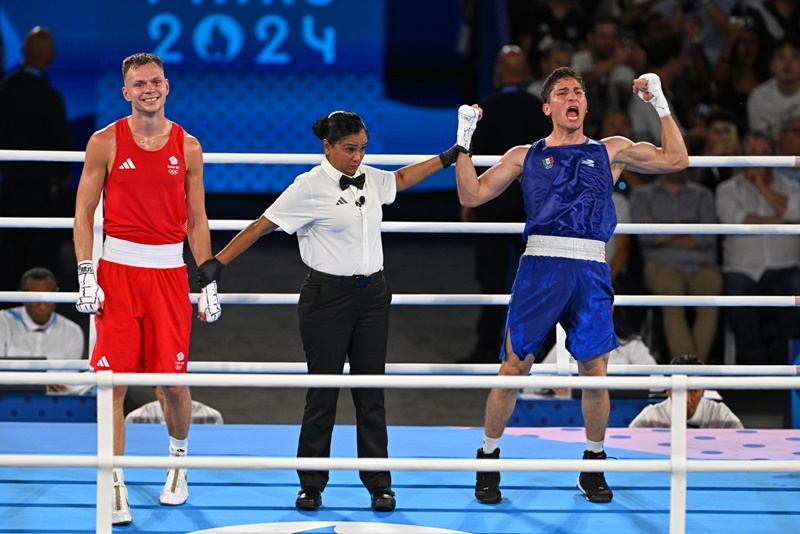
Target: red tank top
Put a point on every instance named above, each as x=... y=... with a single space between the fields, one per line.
x=145 y=192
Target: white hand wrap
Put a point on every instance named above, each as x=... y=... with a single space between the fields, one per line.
x=659 y=101
x=467 y=122
x=208 y=304
x=90 y=295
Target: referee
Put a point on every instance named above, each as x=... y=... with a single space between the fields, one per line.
x=335 y=209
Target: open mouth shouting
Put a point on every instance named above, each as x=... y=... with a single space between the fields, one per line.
x=573 y=112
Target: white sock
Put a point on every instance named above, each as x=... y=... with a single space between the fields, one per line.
x=594 y=446
x=490 y=444
x=178 y=444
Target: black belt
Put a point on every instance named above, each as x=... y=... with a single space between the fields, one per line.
x=357 y=280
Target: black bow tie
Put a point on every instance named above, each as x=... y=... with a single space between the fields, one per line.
x=346 y=181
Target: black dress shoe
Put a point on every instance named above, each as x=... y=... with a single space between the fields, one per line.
x=383 y=500
x=309 y=499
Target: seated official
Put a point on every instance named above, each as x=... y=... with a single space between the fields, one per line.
x=36 y=330
x=701 y=412
x=153 y=412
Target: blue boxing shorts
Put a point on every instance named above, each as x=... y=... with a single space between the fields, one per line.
x=574 y=292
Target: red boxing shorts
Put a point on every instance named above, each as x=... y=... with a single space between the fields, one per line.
x=146 y=321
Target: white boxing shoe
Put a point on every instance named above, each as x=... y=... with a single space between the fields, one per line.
x=176 y=489
x=120 y=509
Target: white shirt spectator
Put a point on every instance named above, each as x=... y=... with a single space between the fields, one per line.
x=767 y=107
x=153 y=413
x=709 y=414
x=59 y=339
x=754 y=254
x=633 y=351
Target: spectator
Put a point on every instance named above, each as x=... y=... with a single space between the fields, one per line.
x=513 y=117
x=770 y=101
x=153 y=412
x=535 y=25
x=618 y=122
x=555 y=54
x=605 y=69
x=666 y=59
x=706 y=23
x=32 y=117
x=773 y=19
x=721 y=139
x=742 y=66
x=701 y=412
x=789 y=142
x=35 y=329
x=680 y=264
x=760 y=264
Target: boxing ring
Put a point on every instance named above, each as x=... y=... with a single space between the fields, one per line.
x=56 y=477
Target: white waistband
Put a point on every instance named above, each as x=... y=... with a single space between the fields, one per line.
x=566 y=247
x=139 y=255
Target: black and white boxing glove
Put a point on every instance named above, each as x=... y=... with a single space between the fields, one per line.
x=90 y=296
x=208 y=306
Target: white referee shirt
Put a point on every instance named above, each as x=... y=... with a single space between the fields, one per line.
x=337 y=233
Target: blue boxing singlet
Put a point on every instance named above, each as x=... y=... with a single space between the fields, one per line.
x=567 y=191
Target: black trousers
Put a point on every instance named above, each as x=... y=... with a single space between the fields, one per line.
x=340 y=318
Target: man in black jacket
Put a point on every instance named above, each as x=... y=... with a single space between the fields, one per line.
x=32 y=117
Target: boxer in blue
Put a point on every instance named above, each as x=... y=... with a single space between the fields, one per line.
x=566 y=180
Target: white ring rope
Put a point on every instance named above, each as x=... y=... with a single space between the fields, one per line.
x=779 y=301
x=408 y=376
x=489 y=369
x=405 y=381
x=385 y=159
x=469 y=227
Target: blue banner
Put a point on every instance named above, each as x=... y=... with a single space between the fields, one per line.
x=245 y=76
